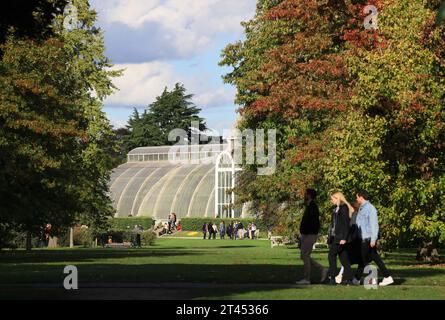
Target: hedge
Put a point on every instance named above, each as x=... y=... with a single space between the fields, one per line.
x=129 y=223
x=195 y=224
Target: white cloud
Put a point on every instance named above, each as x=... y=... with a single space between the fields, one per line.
x=204 y=16
x=118 y=123
x=143 y=82
x=181 y=27
x=220 y=96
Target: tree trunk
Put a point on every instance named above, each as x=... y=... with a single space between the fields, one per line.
x=71 y=237
x=28 y=241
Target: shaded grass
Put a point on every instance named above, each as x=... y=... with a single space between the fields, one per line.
x=205 y=261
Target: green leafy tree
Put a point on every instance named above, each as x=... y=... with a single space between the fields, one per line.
x=56 y=141
x=291 y=77
x=401 y=81
x=354 y=108
x=42 y=133
x=171 y=110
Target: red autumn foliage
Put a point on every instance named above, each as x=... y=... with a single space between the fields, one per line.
x=306 y=71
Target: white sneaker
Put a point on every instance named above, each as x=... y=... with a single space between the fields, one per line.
x=355 y=282
x=303 y=282
x=386 y=282
x=338 y=279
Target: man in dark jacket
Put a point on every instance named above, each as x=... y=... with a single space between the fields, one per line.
x=309 y=229
x=204 y=231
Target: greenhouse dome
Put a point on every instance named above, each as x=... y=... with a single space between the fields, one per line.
x=157 y=181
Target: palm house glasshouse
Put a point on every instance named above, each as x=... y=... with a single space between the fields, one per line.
x=191 y=181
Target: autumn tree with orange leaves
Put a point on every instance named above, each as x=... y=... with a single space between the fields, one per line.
x=353 y=107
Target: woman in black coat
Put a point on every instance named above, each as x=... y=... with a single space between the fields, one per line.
x=338 y=238
x=354 y=245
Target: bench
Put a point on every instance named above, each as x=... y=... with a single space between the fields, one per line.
x=276 y=241
x=125 y=245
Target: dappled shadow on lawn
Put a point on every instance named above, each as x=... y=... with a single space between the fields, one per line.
x=135 y=293
x=209 y=247
x=151 y=281
x=43 y=256
x=403 y=273
x=177 y=264
x=157 y=273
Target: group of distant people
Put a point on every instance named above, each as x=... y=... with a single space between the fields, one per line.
x=172 y=222
x=353 y=237
x=209 y=230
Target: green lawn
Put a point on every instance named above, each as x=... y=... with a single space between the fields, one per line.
x=262 y=272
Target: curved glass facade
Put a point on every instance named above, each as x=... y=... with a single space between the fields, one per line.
x=151 y=185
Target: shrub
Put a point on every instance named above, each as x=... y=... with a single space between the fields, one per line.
x=6 y=236
x=83 y=237
x=117 y=236
x=129 y=223
x=13 y=239
x=148 y=238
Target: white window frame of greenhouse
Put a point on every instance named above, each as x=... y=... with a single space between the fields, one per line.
x=158 y=157
x=228 y=182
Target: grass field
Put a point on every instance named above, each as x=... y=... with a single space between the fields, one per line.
x=199 y=269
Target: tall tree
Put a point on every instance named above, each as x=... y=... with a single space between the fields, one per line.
x=85 y=43
x=171 y=110
x=355 y=108
x=400 y=83
x=56 y=140
x=42 y=135
x=291 y=77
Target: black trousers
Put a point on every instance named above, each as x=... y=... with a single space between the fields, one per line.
x=335 y=250
x=368 y=255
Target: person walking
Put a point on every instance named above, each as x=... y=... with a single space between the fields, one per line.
x=222 y=230
x=235 y=230
x=215 y=230
x=210 y=230
x=230 y=230
x=368 y=226
x=253 y=230
x=47 y=234
x=309 y=229
x=338 y=238
x=204 y=230
x=240 y=227
x=136 y=237
x=174 y=219
x=170 y=218
x=353 y=247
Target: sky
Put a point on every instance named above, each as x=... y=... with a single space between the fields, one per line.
x=162 y=42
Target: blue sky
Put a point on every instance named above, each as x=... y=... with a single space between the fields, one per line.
x=161 y=42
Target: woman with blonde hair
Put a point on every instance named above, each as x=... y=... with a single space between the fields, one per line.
x=338 y=237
